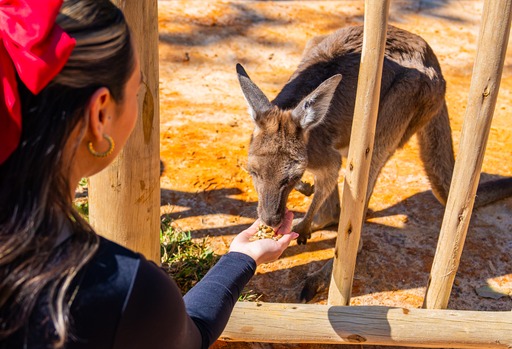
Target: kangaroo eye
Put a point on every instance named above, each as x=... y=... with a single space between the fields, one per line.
x=253 y=174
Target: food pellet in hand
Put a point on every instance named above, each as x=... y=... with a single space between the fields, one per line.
x=265 y=232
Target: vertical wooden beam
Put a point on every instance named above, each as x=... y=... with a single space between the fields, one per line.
x=360 y=151
x=125 y=197
x=485 y=83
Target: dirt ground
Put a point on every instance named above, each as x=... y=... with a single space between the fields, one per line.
x=205 y=131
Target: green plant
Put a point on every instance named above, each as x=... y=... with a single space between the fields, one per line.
x=81 y=201
x=249 y=296
x=185 y=260
x=82 y=206
x=83 y=182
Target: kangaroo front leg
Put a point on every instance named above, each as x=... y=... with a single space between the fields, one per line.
x=325 y=183
x=305 y=188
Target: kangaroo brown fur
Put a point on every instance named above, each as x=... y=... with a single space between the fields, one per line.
x=308 y=125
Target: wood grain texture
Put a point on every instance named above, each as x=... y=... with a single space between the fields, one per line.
x=368 y=325
x=353 y=198
x=125 y=197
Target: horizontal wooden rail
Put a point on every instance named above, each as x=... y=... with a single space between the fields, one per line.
x=369 y=325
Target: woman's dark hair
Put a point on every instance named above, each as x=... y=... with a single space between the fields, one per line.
x=44 y=241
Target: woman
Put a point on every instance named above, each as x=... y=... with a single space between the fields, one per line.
x=68 y=102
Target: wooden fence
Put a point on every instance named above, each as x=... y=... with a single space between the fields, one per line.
x=336 y=323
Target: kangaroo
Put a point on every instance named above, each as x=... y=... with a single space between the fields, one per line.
x=308 y=125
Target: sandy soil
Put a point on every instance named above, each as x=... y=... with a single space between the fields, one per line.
x=205 y=132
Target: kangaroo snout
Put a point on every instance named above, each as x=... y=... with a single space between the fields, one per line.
x=273 y=220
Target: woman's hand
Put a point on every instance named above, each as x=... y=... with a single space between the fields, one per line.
x=264 y=250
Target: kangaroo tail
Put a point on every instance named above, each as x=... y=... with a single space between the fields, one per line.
x=436 y=151
x=493 y=191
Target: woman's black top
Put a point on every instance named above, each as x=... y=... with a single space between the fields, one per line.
x=124 y=301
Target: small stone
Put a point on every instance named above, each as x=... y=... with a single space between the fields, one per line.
x=493 y=292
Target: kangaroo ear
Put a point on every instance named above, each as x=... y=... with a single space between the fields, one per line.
x=312 y=109
x=257 y=101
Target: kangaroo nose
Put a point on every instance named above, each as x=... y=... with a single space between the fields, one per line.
x=272 y=220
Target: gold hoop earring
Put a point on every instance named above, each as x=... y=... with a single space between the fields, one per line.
x=106 y=153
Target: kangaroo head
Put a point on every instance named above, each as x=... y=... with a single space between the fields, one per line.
x=278 y=154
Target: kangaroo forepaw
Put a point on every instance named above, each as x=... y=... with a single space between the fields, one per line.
x=300 y=228
x=303 y=239
x=305 y=188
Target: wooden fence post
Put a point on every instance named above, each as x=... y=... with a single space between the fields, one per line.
x=360 y=151
x=485 y=83
x=124 y=199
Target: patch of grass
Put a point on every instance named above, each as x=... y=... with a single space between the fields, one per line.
x=188 y=261
x=83 y=182
x=82 y=206
x=249 y=296
x=81 y=201
x=185 y=260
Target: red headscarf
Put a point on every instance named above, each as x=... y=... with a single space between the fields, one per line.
x=37 y=48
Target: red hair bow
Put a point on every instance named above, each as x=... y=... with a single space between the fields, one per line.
x=37 y=48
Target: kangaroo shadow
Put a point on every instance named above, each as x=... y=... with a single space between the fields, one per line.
x=287 y=289
x=399 y=246
x=400 y=242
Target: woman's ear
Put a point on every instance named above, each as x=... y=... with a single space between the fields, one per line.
x=99 y=113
